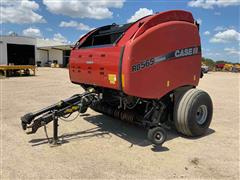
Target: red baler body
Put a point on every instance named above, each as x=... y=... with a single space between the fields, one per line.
x=154 y=56
x=143 y=73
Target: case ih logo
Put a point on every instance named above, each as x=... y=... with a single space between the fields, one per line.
x=186 y=52
x=179 y=53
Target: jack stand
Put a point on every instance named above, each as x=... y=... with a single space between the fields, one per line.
x=55 y=140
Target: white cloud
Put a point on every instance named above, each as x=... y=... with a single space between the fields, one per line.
x=32 y=32
x=20 y=11
x=207 y=33
x=10 y=32
x=210 y=4
x=49 y=29
x=83 y=9
x=229 y=35
x=199 y=21
x=217 y=13
x=199 y=3
x=60 y=38
x=139 y=14
x=223 y=28
x=220 y=28
x=76 y=25
x=212 y=54
x=232 y=51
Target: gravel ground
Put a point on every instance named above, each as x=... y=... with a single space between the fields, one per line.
x=100 y=147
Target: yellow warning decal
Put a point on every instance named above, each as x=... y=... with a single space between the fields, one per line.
x=112 y=78
x=168 y=83
x=123 y=81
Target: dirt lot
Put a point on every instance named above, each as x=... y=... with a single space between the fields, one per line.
x=101 y=147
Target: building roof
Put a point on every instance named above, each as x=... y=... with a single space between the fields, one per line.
x=48 y=42
x=18 y=36
x=57 y=47
x=39 y=43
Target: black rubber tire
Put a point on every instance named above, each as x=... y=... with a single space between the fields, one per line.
x=157 y=135
x=186 y=113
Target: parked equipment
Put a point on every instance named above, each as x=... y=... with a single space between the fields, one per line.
x=13 y=70
x=228 y=67
x=236 y=68
x=204 y=68
x=55 y=64
x=144 y=72
x=219 y=67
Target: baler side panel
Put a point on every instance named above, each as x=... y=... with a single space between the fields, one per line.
x=95 y=66
x=157 y=80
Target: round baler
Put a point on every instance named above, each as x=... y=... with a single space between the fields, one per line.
x=144 y=72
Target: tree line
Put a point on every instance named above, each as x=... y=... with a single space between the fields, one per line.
x=211 y=63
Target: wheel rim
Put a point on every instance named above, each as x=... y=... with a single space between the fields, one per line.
x=159 y=136
x=201 y=115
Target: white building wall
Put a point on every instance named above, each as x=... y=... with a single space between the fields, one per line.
x=42 y=55
x=3 y=52
x=4 y=40
x=55 y=54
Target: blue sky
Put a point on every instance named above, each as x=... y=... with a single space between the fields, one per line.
x=66 y=21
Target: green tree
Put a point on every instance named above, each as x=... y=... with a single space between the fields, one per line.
x=223 y=62
x=209 y=62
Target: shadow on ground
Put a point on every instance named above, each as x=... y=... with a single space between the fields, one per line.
x=106 y=126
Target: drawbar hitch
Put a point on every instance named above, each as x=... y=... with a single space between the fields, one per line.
x=62 y=109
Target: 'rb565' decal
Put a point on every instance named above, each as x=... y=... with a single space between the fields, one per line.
x=142 y=65
x=179 y=53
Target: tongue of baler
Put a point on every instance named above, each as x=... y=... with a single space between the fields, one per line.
x=78 y=102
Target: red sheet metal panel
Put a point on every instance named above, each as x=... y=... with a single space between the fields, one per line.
x=162 y=52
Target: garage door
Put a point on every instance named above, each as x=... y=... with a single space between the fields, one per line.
x=19 y=54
